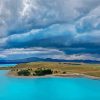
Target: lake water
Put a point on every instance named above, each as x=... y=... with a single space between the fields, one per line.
x=48 y=88
x=7 y=65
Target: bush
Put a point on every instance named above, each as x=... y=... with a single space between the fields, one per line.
x=41 y=72
x=64 y=72
x=55 y=72
x=24 y=73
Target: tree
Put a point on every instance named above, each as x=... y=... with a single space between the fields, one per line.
x=24 y=73
x=41 y=72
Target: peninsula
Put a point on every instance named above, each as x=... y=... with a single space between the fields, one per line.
x=45 y=69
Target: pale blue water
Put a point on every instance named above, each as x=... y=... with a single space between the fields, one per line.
x=48 y=88
x=7 y=65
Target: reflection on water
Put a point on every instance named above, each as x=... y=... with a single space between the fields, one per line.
x=48 y=88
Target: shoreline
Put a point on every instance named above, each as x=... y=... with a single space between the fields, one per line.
x=74 y=75
x=56 y=69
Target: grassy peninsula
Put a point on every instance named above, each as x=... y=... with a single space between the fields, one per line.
x=37 y=69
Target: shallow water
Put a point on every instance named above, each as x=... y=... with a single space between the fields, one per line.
x=48 y=88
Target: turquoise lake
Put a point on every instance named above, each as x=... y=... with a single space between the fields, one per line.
x=7 y=65
x=48 y=88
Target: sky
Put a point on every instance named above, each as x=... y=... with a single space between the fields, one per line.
x=57 y=29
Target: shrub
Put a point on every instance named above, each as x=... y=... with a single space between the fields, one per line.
x=24 y=73
x=55 y=72
x=41 y=72
x=64 y=72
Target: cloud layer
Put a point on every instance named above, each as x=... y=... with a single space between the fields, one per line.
x=69 y=26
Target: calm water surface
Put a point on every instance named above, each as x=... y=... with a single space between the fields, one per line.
x=7 y=65
x=48 y=88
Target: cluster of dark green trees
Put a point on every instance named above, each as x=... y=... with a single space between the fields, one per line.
x=38 y=72
x=24 y=73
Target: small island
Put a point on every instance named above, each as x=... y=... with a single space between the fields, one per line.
x=61 y=69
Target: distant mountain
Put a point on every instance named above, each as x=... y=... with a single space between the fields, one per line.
x=35 y=59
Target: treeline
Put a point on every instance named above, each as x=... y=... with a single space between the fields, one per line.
x=37 y=72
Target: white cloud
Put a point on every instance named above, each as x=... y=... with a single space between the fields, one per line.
x=74 y=57
x=16 y=53
x=23 y=15
x=89 y=22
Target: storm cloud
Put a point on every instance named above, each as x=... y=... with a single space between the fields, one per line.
x=69 y=26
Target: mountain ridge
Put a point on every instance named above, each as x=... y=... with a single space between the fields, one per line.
x=36 y=59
